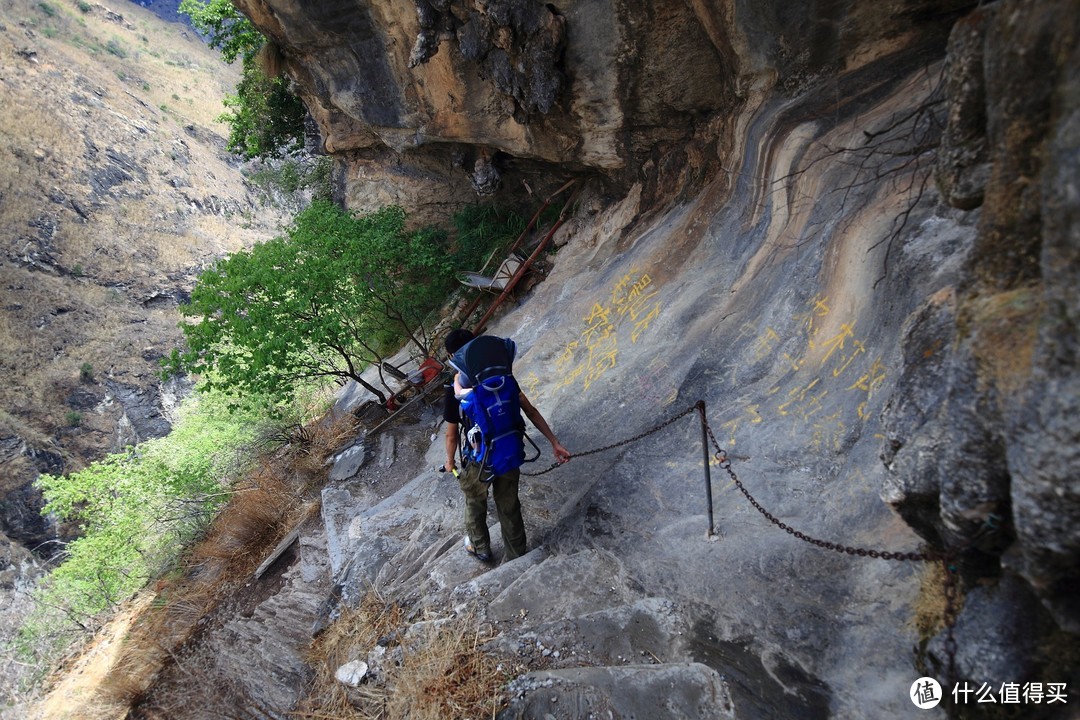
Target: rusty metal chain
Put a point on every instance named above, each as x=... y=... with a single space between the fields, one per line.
x=947 y=558
x=950 y=585
x=725 y=464
x=627 y=441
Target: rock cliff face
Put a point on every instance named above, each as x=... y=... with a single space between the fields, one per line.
x=889 y=366
x=986 y=458
x=422 y=100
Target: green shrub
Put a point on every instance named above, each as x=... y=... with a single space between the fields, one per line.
x=482 y=229
x=136 y=512
x=320 y=180
x=86 y=372
x=291 y=176
x=136 y=509
x=113 y=47
x=264 y=117
x=73 y=418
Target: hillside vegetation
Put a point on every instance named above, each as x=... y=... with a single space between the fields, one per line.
x=115 y=190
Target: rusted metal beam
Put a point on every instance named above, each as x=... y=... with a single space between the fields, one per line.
x=531 y=259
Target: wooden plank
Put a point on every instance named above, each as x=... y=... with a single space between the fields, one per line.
x=280 y=549
x=310 y=511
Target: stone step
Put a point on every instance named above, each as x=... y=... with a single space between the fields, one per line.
x=674 y=691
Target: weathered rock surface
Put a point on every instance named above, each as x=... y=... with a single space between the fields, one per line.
x=1003 y=479
x=255 y=655
x=433 y=97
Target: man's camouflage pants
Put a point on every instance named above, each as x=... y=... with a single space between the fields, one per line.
x=504 y=488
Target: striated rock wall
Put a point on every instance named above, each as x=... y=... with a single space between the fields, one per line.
x=995 y=412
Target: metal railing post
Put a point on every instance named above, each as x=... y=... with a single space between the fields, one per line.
x=706 y=460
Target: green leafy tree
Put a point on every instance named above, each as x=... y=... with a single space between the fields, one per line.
x=136 y=509
x=264 y=117
x=323 y=301
x=225 y=28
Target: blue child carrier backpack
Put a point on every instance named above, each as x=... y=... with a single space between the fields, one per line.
x=496 y=436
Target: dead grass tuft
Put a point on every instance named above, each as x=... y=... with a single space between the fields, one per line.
x=355 y=632
x=449 y=675
x=930 y=605
x=251 y=522
x=271 y=59
x=312 y=444
x=437 y=669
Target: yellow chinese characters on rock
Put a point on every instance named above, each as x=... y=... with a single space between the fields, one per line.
x=626 y=312
x=834 y=361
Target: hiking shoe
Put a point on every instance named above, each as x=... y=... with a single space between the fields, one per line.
x=481 y=556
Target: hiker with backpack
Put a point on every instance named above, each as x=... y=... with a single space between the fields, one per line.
x=485 y=434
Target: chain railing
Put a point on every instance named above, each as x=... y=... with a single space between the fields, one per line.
x=720 y=455
x=621 y=443
x=724 y=463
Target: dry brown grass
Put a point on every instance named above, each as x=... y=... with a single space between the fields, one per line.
x=320 y=440
x=443 y=670
x=448 y=675
x=931 y=605
x=356 y=631
x=253 y=520
x=79 y=686
x=309 y=445
x=155 y=60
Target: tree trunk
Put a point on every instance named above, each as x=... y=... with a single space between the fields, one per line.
x=370 y=388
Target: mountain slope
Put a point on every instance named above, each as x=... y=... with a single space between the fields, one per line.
x=115 y=190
